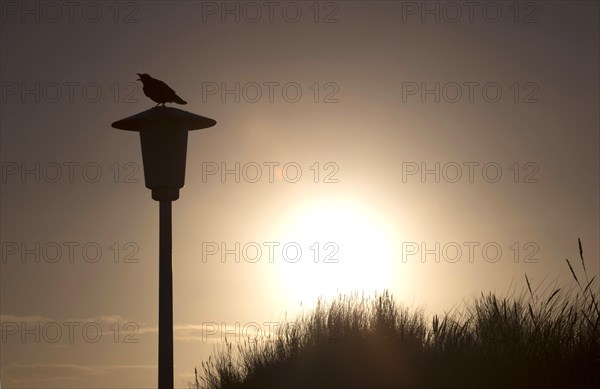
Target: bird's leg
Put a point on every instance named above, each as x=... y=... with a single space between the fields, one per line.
x=163 y=104
x=156 y=105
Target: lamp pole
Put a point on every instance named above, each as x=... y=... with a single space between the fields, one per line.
x=163 y=137
x=165 y=293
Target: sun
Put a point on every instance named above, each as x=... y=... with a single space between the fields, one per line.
x=334 y=246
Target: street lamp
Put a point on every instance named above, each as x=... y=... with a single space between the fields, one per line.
x=163 y=135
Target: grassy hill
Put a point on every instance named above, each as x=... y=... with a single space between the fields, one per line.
x=532 y=341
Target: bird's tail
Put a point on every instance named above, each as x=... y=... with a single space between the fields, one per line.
x=179 y=100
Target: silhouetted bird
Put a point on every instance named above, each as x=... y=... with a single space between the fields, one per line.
x=158 y=91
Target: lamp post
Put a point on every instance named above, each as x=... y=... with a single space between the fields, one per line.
x=163 y=135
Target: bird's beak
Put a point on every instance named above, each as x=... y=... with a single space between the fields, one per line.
x=139 y=79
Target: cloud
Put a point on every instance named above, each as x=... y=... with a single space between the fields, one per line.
x=23 y=319
x=212 y=332
x=205 y=332
x=47 y=373
x=102 y=320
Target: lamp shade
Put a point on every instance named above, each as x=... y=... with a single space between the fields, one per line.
x=163 y=137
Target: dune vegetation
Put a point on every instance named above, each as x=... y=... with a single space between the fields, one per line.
x=538 y=339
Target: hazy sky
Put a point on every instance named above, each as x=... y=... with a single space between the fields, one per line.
x=439 y=150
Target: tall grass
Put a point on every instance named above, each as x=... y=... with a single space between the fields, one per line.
x=536 y=339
